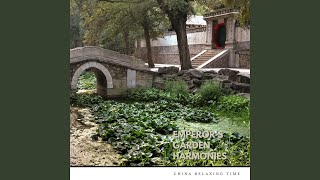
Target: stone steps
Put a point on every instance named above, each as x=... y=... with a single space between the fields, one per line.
x=205 y=57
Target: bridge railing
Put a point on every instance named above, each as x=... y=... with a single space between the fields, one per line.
x=105 y=55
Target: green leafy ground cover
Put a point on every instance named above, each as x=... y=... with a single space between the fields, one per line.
x=141 y=127
x=87 y=81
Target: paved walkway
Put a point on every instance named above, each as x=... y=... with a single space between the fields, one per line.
x=244 y=71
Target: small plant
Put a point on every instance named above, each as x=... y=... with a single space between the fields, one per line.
x=177 y=87
x=84 y=100
x=209 y=92
x=235 y=107
x=233 y=103
x=153 y=94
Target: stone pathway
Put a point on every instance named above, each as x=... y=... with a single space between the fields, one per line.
x=242 y=71
x=84 y=151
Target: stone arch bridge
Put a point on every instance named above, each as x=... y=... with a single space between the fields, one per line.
x=114 y=72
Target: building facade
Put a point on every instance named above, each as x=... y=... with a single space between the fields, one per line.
x=216 y=30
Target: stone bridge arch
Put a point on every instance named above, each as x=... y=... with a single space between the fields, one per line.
x=104 y=78
x=115 y=72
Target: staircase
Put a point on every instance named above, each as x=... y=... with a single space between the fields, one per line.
x=204 y=56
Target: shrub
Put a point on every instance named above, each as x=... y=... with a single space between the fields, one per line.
x=209 y=91
x=177 y=87
x=153 y=94
x=235 y=107
x=233 y=103
x=142 y=94
x=236 y=147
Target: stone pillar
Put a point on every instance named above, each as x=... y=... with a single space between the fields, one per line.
x=230 y=25
x=233 y=59
x=209 y=32
x=237 y=60
x=131 y=78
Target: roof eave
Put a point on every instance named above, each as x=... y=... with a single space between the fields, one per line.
x=218 y=16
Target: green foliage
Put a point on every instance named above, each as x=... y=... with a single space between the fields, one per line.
x=236 y=147
x=242 y=5
x=76 y=30
x=141 y=132
x=209 y=92
x=116 y=26
x=84 y=100
x=235 y=107
x=177 y=91
x=199 y=8
x=244 y=10
x=233 y=103
x=173 y=111
x=173 y=94
x=177 y=87
x=87 y=81
x=143 y=94
x=176 y=8
x=197 y=115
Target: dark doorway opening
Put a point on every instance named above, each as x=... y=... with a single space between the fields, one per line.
x=220 y=35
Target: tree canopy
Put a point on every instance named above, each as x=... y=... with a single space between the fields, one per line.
x=117 y=24
x=242 y=5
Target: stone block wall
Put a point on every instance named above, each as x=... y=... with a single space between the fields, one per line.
x=145 y=79
x=242 y=54
x=244 y=58
x=242 y=34
x=245 y=45
x=119 y=74
x=220 y=62
x=167 y=54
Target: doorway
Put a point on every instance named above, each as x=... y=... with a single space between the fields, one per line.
x=220 y=35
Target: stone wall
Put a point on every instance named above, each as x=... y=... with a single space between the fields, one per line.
x=170 y=39
x=145 y=79
x=220 y=62
x=245 y=45
x=242 y=34
x=242 y=54
x=114 y=72
x=244 y=58
x=165 y=49
x=228 y=79
x=167 y=54
x=119 y=75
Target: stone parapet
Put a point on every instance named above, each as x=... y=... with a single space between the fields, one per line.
x=104 y=55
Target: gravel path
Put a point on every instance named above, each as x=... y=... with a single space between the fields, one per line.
x=84 y=151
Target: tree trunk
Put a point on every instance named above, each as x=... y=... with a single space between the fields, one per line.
x=178 y=21
x=184 y=53
x=127 y=43
x=148 y=44
x=75 y=40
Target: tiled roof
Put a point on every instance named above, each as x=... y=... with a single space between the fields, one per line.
x=219 y=12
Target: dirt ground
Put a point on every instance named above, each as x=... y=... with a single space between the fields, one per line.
x=84 y=150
